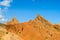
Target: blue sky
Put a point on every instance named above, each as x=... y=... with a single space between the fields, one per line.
x=24 y=10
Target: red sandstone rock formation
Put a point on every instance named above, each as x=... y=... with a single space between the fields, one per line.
x=12 y=22
x=38 y=29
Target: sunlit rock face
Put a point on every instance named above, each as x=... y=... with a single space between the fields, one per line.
x=10 y=36
x=5 y=35
x=37 y=29
x=12 y=22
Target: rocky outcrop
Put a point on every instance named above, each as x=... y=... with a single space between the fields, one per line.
x=12 y=22
x=5 y=35
x=37 y=29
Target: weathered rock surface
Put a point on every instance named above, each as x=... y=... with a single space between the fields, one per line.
x=37 y=29
x=5 y=35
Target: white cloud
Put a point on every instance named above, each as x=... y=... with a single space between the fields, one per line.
x=3 y=19
x=1 y=16
x=6 y=3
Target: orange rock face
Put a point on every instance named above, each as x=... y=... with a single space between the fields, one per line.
x=13 y=22
x=38 y=29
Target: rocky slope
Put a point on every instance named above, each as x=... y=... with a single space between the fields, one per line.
x=5 y=35
x=37 y=29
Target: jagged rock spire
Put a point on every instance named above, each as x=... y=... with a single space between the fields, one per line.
x=40 y=18
x=13 y=21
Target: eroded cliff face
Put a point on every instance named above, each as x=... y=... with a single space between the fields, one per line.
x=37 y=29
